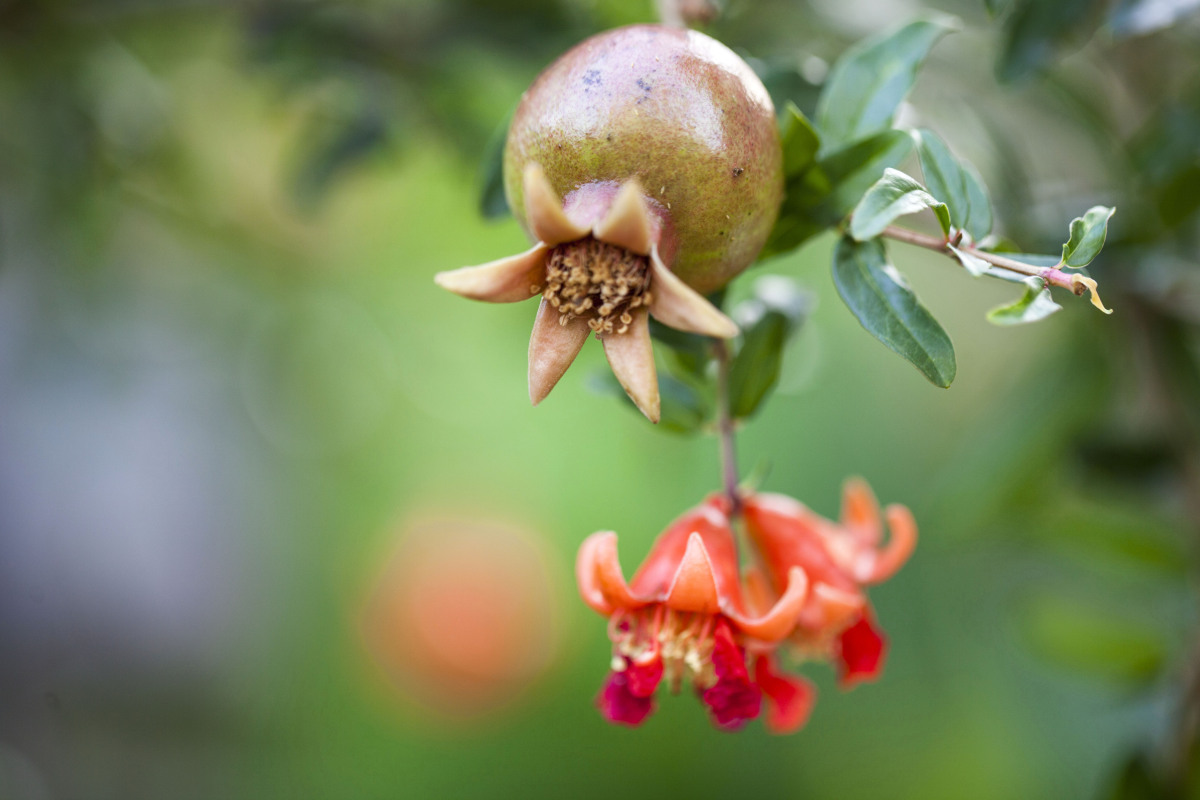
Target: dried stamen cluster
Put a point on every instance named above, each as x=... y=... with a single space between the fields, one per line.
x=597 y=279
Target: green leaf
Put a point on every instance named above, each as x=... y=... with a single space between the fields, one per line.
x=684 y=409
x=1093 y=640
x=956 y=183
x=768 y=319
x=827 y=192
x=1087 y=236
x=1035 y=304
x=1038 y=31
x=852 y=170
x=973 y=264
x=943 y=175
x=800 y=142
x=755 y=368
x=492 y=203
x=879 y=296
x=979 y=224
x=868 y=83
x=892 y=196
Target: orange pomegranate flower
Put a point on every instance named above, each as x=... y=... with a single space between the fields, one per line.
x=841 y=560
x=684 y=615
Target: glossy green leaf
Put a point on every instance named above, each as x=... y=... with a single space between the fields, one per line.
x=997 y=7
x=956 y=183
x=894 y=195
x=868 y=83
x=824 y=194
x=879 y=296
x=979 y=223
x=1093 y=640
x=800 y=142
x=973 y=264
x=852 y=170
x=1087 y=236
x=1035 y=304
x=768 y=319
x=755 y=368
x=943 y=175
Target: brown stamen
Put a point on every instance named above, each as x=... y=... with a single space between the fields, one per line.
x=600 y=280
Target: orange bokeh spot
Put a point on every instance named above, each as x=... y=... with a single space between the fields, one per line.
x=462 y=616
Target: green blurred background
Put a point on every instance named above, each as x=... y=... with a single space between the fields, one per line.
x=227 y=378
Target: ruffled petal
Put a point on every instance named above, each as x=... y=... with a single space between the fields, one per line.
x=860 y=511
x=586 y=574
x=790 y=698
x=598 y=571
x=628 y=223
x=788 y=534
x=782 y=617
x=508 y=280
x=734 y=699
x=883 y=564
x=644 y=674
x=544 y=211
x=631 y=356
x=694 y=587
x=619 y=704
x=831 y=609
x=860 y=652
x=677 y=305
x=552 y=348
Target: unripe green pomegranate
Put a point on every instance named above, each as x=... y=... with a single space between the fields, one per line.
x=646 y=165
x=678 y=111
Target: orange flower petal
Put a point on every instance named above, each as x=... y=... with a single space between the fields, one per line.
x=609 y=578
x=552 y=348
x=830 y=608
x=544 y=211
x=900 y=546
x=694 y=588
x=586 y=574
x=860 y=511
x=508 y=280
x=781 y=619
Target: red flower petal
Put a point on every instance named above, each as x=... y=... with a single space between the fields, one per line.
x=790 y=698
x=733 y=699
x=860 y=652
x=643 y=677
x=619 y=704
